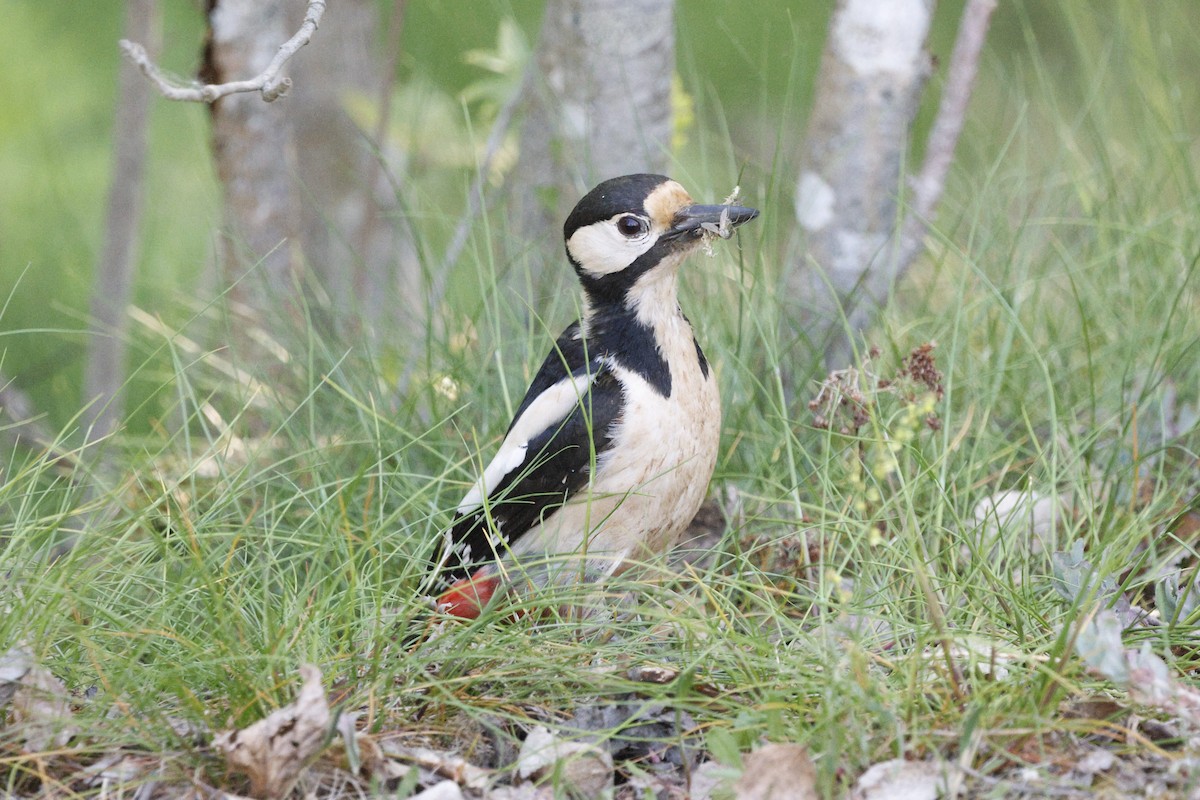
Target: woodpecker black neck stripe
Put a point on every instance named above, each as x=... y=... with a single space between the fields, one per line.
x=611 y=289
x=615 y=333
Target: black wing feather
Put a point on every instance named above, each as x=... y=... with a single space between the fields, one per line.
x=557 y=460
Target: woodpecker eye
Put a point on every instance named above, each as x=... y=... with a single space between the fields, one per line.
x=631 y=226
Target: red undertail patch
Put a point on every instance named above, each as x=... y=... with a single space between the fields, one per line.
x=467 y=598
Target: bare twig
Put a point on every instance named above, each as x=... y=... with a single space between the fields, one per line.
x=267 y=82
x=19 y=422
x=927 y=185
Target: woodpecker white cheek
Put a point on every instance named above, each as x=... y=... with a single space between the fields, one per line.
x=600 y=249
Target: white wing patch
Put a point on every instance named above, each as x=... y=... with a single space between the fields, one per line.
x=547 y=410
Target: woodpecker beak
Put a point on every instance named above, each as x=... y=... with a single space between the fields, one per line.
x=692 y=222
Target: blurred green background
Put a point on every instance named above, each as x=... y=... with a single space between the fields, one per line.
x=747 y=67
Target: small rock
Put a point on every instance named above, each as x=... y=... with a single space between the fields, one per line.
x=1026 y=519
x=900 y=780
x=1096 y=760
x=446 y=790
x=15 y=664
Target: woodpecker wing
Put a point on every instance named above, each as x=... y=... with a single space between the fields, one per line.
x=565 y=418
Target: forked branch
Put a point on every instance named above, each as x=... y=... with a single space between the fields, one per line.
x=268 y=82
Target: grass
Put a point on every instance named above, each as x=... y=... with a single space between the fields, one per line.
x=860 y=601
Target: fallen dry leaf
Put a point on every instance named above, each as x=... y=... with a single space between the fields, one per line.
x=364 y=756
x=523 y=791
x=274 y=751
x=633 y=728
x=711 y=779
x=40 y=702
x=1096 y=759
x=117 y=771
x=777 y=772
x=1142 y=673
x=663 y=675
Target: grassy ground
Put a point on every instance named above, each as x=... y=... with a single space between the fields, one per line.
x=903 y=589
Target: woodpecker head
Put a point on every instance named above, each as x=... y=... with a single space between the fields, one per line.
x=631 y=226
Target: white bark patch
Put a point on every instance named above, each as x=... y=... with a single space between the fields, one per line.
x=574 y=121
x=853 y=256
x=881 y=36
x=814 y=201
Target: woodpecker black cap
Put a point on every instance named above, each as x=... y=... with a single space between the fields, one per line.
x=627 y=193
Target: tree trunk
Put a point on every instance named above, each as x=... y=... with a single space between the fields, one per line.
x=868 y=91
x=112 y=283
x=599 y=105
x=255 y=155
x=355 y=238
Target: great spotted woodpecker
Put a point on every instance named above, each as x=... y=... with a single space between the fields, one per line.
x=611 y=451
